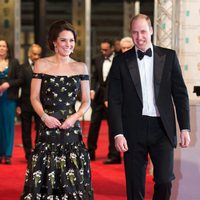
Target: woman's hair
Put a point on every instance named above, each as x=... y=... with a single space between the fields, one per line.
x=55 y=29
x=8 y=48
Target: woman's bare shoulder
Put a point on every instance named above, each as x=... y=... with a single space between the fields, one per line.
x=81 y=67
x=43 y=64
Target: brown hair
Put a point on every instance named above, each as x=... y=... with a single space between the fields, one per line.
x=141 y=16
x=8 y=47
x=55 y=29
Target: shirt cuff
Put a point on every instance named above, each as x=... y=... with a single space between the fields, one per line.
x=118 y=135
x=185 y=130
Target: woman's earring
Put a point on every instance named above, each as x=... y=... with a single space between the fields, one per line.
x=55 y=49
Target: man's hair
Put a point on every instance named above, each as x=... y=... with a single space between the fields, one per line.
x=108 y=41
x=141 y=16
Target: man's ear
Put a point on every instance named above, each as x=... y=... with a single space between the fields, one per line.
x=151 y=30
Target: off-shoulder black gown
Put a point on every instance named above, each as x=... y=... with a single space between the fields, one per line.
x=59 y=167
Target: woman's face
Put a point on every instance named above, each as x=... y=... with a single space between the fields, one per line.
x=65 y=43
x=3 y=48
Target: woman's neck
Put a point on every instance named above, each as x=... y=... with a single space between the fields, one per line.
x=62 y=59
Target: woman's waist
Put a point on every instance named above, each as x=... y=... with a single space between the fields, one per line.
x=59 y=112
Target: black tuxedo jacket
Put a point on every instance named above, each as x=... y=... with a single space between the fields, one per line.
x=125 y=94
x=97 y=82
x=26 y=73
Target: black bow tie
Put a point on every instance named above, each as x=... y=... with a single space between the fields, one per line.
x=107 y=58
x=141 y=54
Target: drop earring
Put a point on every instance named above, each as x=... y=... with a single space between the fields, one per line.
x=55 y=49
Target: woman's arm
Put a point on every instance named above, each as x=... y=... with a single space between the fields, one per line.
x=49 y=121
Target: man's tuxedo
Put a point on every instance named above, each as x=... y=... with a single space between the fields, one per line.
x=169 y=90
x=27 y=112
x=126 y=103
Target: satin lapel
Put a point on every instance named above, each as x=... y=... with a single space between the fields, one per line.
x=101 y=68
x=134 y=71
x=159 y=61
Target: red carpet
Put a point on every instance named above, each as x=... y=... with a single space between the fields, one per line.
x=108 y=180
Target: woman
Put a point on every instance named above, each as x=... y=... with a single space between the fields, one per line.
x=59 y=165
x=9 y=84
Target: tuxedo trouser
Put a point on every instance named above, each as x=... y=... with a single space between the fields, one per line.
x=154 y=142
x=26 y=123
x=97 y=116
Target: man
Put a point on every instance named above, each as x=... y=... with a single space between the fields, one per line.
x=99 y=105
x=25 y=107
x=143 y=84
x=117 y=47
x=126 y=43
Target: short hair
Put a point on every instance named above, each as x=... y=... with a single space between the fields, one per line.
x=34 y=45
x=55 y=29
x=110 y=42
x=8 y=47
x=141 y=16
x=126 y=39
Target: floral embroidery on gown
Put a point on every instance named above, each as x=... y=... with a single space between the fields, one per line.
x=59 y=166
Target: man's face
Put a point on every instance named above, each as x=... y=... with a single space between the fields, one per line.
x=35 y=54
x=141 y=33
x=125 y=46
x=106 y=49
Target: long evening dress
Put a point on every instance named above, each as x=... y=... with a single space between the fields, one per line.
x=7 y=120
x=59 y=167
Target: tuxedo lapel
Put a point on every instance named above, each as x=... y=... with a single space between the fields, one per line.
x=134 y=72
x=101 y=60
x=159 y=61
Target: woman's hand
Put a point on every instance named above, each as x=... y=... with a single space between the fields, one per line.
x=51 y=122
x=69 y=122
x=4 y=86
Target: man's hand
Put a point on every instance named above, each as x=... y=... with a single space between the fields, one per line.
x=121 y=144
x=185 y=139
x=18 y=110
x=106 y=104
x=92 y=94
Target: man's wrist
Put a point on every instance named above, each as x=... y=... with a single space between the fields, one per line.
x=185 y=131
x=118 y=135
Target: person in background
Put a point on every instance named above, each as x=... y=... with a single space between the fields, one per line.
x=145 y=85
x=126 y=43
x=9 y=86
x=117 y=47
x=99 y=104
x=59 y=166
x=25 y=108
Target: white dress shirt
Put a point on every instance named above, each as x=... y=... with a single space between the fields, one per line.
x=31 y=63
x=146 y=71
x=106 y=66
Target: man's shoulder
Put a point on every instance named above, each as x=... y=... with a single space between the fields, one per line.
x=25 y=64
x=128 y=54
x=98 y=58
x=163 y=49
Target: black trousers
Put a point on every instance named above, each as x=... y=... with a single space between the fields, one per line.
x=153 y=142
x=26 y=124
x=98 y=114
